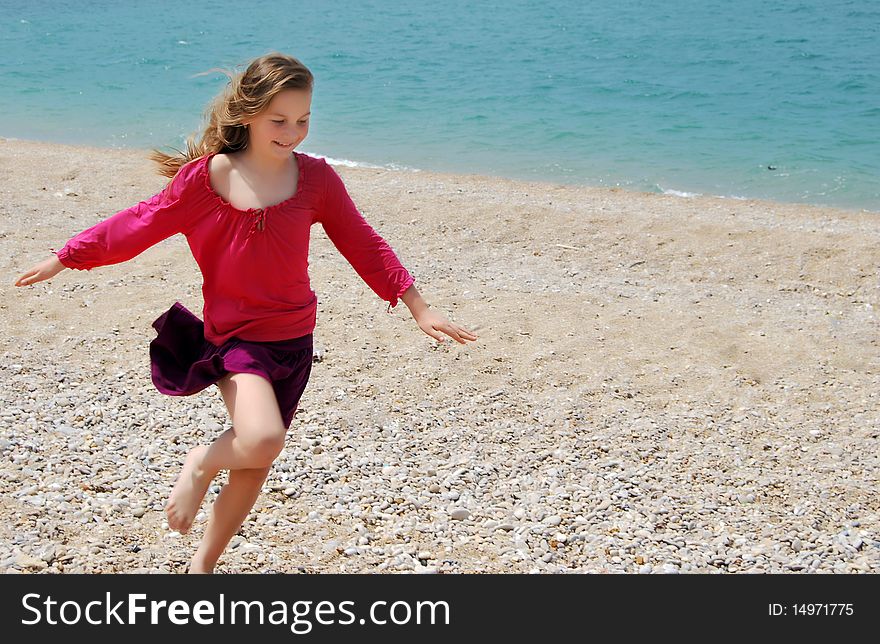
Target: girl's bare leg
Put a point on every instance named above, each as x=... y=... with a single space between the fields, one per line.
x=254 y=441
x=230 y=510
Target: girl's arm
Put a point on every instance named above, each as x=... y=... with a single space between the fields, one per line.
x=375 y=261
x=126 y=234
x=119 y=238
x=370 y=255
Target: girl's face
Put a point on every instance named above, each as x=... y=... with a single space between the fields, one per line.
x=283 y=125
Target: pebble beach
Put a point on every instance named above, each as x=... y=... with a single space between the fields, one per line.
x=662 y=384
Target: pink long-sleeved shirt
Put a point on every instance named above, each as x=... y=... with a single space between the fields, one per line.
x=254 y=263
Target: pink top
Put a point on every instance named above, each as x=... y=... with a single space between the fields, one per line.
x=254 y=263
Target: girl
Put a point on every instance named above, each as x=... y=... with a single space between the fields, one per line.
x=245 y=201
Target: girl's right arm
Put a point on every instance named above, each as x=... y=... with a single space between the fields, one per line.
x=122 y=236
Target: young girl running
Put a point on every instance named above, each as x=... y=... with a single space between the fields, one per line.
x=245 y=200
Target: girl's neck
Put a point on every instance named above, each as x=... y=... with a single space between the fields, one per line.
x=264 y=164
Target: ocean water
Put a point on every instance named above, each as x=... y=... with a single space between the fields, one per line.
x=750 y=99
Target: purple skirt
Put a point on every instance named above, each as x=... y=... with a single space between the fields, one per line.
x=183 y=362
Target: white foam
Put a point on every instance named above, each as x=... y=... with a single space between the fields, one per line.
x=680 y=193
x=348 y=163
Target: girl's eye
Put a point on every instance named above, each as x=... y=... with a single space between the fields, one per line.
x=276 y=121
x=303 y=122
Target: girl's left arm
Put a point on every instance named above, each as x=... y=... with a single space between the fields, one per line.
x=432 y=322
x=376 y=262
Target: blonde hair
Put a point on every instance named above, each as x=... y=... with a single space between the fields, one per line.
x=247 y=94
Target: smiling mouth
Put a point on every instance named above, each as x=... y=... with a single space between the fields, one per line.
x=283 y=145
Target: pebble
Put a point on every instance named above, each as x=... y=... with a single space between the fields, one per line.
x=459 y=514
x=30 y=563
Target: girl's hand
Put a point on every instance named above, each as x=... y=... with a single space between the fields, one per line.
x=434 y=324
x=44 y=270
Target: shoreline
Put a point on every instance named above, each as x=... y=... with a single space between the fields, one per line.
x=661 y=385
x=365 y=165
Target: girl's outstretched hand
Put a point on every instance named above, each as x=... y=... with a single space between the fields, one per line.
x=44 y=270
x=431 y=322
x=434 y=324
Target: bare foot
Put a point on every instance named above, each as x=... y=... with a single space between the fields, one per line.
x=188 y=492
x=199 y=567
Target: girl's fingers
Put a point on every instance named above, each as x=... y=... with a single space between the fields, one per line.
x=464 y=333
x=455 y=332
x=25 y=279
x=431 y=332
x=458 y=334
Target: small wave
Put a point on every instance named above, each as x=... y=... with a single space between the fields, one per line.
x=182 y=42
x=688 y=93
x=562 y=136
x=851 y=84
x=679 y=193
x=681 y=127
x=348 y=163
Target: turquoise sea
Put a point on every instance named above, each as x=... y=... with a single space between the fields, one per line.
x=777 y=100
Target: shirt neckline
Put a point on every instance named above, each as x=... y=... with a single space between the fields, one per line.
x=300 y=164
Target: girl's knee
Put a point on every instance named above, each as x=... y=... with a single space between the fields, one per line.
x=264 y=447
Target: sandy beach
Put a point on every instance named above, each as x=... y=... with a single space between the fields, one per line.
x=661 y=384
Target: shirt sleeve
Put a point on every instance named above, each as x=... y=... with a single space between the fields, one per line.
x=131 y=231
x=370 y=255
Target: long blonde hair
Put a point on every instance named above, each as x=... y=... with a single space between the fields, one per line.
x=247 y=94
